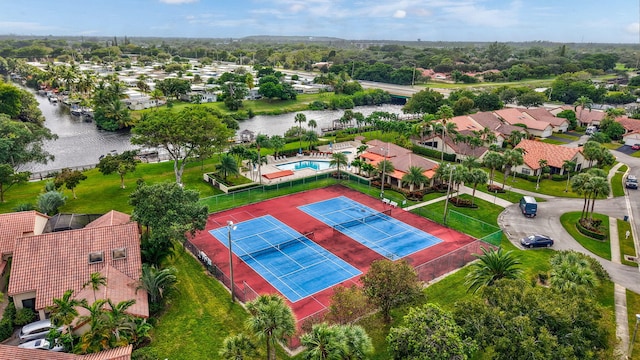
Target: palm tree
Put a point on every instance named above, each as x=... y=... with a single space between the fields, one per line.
x=117 y=112
x=156 y=95
x=415 y=176
x=493 y=160
x=444 y=113
x=310 y=136
x=357 y=341
x=512 y=157
x=120 y=325
x=227 y=166
x=97 y=338
x=277 y=143
x=237 y=347
x=95 y=281
x=492 y=266
x=383 y=168
x=157 y=283
x=300 y=119
x=471 y=162
x=515 y=137
x=582 y=102
x=261 y=141
x=475 y=177
x=312 y=124
x=572 y=272
x=599 y=186
x=338 y=159
x=543 y=164
x=271 y=319
x=368 y=168
x=568 y=166
x=324 y=342
x=579 y=185
x=63 y=311
x=357 y=163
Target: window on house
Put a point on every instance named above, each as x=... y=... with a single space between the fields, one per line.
x=119 y=253
x=526 y=171
x=29 y=304
x=96 y=257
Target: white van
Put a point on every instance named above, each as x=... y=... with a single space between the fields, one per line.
x=590 y=130
x=36 y=330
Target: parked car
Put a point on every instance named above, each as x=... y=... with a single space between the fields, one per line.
x=536 y=241
x=635 y=147
x=631 y=182
x=36 y=330
x=42 y=344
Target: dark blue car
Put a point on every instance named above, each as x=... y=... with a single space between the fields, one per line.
x=536 y=241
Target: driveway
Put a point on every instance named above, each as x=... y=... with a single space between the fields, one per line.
x=626 y=149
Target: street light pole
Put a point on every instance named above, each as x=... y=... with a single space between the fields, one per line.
x=633 y=339
x=446 y=202
x=231 y=226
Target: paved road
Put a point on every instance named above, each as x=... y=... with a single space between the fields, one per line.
x=547 y=222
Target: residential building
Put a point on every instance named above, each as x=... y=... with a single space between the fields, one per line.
x=514 y=116
x=560 y=125
x=500 y=129
x=585 y=117
x=401 y=158
x=44 y=266
x=555 y=155
x=16 y=353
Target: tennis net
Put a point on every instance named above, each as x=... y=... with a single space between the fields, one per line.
x=276 y=247
x=384 y=215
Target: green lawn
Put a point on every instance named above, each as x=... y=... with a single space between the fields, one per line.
x=617 y=188
x=547 y=186
x=627 y=247
x=510 y=196
x=633 y=308
x=566 y=136
x=601 y=248
x=553 y=141
x=199 y=316
x=623 y=169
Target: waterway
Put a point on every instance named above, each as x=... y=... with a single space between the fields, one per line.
x=80 y=143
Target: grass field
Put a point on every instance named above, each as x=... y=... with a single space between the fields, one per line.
x=601 y=248
x=627 y=247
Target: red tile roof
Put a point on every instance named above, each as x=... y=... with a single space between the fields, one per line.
x=554 y=154
x=15 y=225
x=50 y=264
x=384 y=148
x=16 y=353
x=490 y=120
x=401 y=158
x=629 y=124
x=585 y=116
x=111 y=218
x=514 y=116
x=542 y=114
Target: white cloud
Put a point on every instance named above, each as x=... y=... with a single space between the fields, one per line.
x=400 y=14
x=177 y=2
x=633 y=28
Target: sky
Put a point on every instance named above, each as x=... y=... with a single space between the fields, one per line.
x=569 y=21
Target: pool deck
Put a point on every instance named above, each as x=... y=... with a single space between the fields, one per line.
x=324 y=154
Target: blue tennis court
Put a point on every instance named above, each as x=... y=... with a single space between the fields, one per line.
x=295 y=265
x=380 y=232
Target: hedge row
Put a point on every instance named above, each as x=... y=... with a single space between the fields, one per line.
x=586 y=232
x=434 y=154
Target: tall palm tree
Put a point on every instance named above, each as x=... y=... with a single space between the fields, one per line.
x=228 y=166
x=383 y=168
x=583 y=102
x=271 y=319
x=599 y=186
x=312 y=124
x=493 y=160
x=568 y=166
x=120 y=325
x=324 y=342
x=492 y=266
x=572 y=272
x=444 y=113
x=310 y=136
x=475 y=177
x=156 y=95
x=261 y=141
x=119 y=114
x=414 y=177
x=543 y=164
x=338 y=159
x=512 y=157
x=277 y=143
x=579 y=185
x=64 y=310
x=237 y=347
x=300 y=119
x=95 y=281
x=471 y=162
x=97 y=338
x=158 y=283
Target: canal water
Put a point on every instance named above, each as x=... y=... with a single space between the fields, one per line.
x=80 y=143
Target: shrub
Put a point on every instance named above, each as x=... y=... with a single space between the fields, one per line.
x=318 y=105
x=589 y=228
x=434 y=154
x=495 y=188
x=24 y=316
x=145 y=353
x=459 y=202
x=6 y=329
x=556 y=177
x=9 y=312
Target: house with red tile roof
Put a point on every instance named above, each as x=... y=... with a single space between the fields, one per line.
x=514 y=116
x=401 y=158
x=501 y=129
x=44 y=266
x=560 y=125
x=585 y=117
x=16 y=353
x=13 y=226
x=555 y=155
x=631 y=138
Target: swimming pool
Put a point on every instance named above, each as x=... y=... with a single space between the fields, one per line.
x=305 y=164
